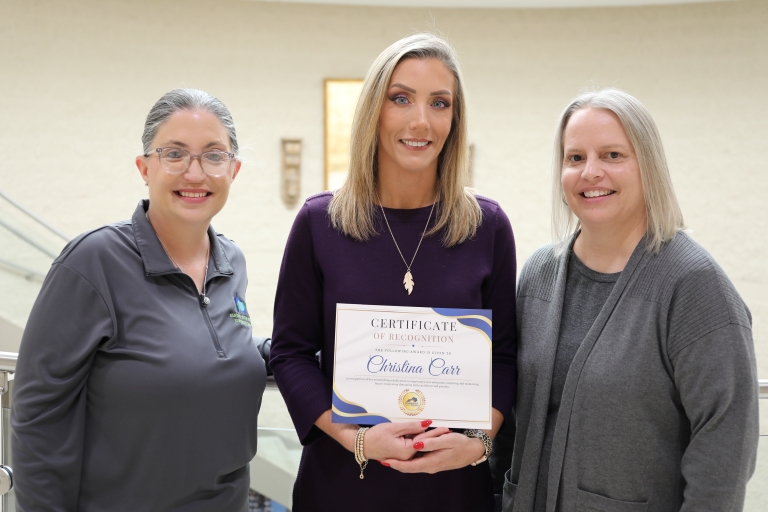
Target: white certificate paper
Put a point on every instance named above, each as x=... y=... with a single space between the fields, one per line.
x=407 y=364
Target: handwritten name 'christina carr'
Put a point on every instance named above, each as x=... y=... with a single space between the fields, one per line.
x=437 y=366
x=416 y=325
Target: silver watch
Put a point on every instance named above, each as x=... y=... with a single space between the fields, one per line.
x=479 y=434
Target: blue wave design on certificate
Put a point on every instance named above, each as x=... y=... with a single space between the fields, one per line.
x=344 y=411
x=479 y=319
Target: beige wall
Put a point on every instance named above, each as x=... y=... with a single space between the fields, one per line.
x=77 y=79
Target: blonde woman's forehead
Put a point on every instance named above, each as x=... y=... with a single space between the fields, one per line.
x=428 y=70
x=595 y=126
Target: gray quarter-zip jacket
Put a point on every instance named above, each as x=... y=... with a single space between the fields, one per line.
x=132 y=394
x=659 y=412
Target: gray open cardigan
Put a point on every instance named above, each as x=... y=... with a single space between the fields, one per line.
x=660 y=406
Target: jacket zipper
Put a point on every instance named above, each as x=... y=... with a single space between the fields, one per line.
x=204 y=312
x=214 y=337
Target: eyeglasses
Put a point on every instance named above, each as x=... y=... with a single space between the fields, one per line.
x=177 y=160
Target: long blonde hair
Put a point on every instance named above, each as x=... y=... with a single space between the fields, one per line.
x=663 y=215
x=352 y=208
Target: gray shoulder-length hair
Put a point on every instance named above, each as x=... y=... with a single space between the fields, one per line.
x=186 y=99
x=663 y=215
x=352 y=208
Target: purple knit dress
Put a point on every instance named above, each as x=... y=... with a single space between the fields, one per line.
x=322 y=267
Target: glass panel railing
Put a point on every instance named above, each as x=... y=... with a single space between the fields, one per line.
x=757 y=489
x=274 y=469
x=28 y=245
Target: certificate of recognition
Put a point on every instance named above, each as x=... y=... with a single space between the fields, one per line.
x=404 y=364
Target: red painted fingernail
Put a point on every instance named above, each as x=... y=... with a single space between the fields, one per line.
x=426 y=423
x=418 y=445
x=384 y=463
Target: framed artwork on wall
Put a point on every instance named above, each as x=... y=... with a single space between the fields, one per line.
x=340 y=99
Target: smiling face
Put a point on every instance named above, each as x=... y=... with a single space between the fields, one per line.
x=416 y=116
x=191 y=196
x=601 y=175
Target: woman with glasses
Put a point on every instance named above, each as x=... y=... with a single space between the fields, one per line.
x=638 y=384
x=402 y=231
x=138 y=384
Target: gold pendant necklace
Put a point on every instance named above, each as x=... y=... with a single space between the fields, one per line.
x=408 y=279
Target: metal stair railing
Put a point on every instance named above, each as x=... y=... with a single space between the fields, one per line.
x=29 y=238
x=36 y=218
x=7 y=369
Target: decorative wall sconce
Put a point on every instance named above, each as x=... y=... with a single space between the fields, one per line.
x=290 y=174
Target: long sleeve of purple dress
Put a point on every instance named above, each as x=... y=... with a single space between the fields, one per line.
x=322 y=267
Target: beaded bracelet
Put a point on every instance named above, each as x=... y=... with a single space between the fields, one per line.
x=359 y=456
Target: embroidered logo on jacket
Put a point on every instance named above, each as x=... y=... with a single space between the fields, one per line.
x=240 y=315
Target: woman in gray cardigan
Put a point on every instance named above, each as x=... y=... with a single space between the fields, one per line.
x=637 y=379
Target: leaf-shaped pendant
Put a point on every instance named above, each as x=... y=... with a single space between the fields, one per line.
x=408 y=282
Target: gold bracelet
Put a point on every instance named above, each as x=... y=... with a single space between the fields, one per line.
x=359 y=455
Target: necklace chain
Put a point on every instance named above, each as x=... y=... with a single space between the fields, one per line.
x=204 y=297
x=408 y=279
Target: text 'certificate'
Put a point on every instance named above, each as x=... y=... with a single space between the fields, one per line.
x=407 y=364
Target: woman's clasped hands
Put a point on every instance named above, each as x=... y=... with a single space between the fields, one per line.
x=410 y=448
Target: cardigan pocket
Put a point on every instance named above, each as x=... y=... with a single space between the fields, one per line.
x=510 y=490
x=590 y=502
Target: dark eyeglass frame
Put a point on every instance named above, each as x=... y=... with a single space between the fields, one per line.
x=192 y=158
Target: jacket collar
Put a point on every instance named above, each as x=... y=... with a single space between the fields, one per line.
x=156 y=260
